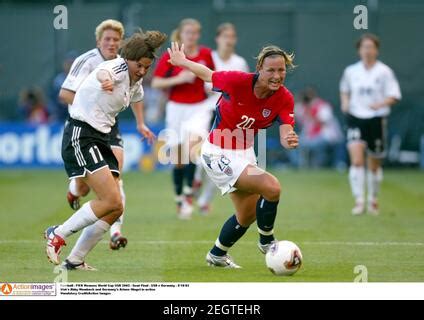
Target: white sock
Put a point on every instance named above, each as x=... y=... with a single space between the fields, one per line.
x=199 y=172
x=374 y=180
x=208 y=193
x=117 y=225
x=73 y=187
x=357 y=182
x=79 y=220
x=88 y=239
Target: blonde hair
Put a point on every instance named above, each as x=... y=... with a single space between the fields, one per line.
x=224 y=26
x=176 y=34
x=109 y=24
x=272 y=51
x=142 y=45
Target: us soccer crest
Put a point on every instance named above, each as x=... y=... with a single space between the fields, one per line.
x=266 y=113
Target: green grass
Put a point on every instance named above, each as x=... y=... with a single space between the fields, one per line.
x=314 y=212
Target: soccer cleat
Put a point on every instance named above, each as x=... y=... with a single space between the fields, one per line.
x=373 y=208
x=358 y=209
x=263 y=248
x=54 y=245
x=221 y=261
x=80 y=266
x=186 y=209
x=117 y=241
x=205 y=209
x=73 y=201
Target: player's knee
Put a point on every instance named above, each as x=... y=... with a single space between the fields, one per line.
x=273 y=190
x=115 y=205
x=83 y=188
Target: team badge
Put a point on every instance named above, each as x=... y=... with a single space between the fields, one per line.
x=266 y=113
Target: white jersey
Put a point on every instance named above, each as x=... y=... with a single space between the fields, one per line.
x=81 y=68
x=99 y=108
x=369 y=86
x=235 y=63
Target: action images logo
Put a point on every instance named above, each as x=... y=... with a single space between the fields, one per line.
x=27 y=289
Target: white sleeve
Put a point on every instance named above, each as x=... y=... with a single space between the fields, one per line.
x=116 y=70
x=391 y=86
x=138 y=95
x=344 y=86
x=79 y=71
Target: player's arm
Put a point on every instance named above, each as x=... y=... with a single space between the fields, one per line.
x=138 y=110
x=344 y=100
x=288 y=138
x=105 y=78
x=184 y=76
x=66 y=96
x=389 y=101
x=178 y=58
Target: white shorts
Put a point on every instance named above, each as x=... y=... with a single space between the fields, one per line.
x=183 y=119
x=224 y=166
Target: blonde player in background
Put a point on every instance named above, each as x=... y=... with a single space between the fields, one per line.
x=368 y=89
x=225 y=59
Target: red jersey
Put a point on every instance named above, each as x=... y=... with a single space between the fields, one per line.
x=186 y=92
x=240 y=114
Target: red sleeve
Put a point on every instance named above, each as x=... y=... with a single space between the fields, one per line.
x=163 y=68
x=225 y=81
x=286 y=115
x=209 y=61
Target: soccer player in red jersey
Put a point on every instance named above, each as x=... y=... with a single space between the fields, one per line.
x=187 y=111
x=249 y=102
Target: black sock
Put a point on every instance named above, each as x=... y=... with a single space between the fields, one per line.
x=266 y=211
x=189 y=171
x=177 y=177
x=231 y=232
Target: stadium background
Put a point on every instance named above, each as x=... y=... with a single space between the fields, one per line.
x=320 y=32
x=315 y=206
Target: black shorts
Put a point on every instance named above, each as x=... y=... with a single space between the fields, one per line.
x=115 y=136
x=370 y=131
x=84 y=149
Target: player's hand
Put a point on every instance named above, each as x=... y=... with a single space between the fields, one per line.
x=107 y=85
x=176 y=54
x=146 y=133
x=187 y=76
x=375 y=106
x=292 y=140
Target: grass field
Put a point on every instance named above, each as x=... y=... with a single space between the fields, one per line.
x=314 y=212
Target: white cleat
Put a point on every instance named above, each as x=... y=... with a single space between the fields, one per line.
x=264 y=248
x=372 y=208
x=221 y=261
x=186 y=209
x=54 y=245
x=358 y=209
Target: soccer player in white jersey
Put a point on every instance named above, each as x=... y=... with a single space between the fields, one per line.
x=86 y=149
x=109 y=34
x=368 y=89
x=225 y=59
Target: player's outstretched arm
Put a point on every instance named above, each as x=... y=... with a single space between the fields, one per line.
x=178 y=58
x=288 y=137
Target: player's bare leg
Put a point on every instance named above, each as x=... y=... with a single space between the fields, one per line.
x=357 y=175
x=374 y=178
x=108 y=205
x=117 y=240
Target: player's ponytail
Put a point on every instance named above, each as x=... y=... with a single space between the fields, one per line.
x=142 y=45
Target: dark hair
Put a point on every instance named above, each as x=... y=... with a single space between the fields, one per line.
x=142 y=45
x=368 y=36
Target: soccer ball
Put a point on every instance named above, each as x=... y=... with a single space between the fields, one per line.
x=284 y=258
